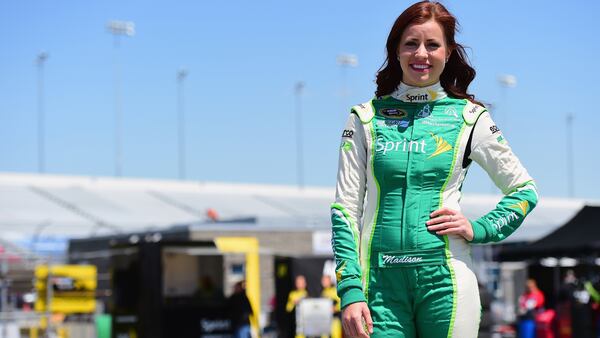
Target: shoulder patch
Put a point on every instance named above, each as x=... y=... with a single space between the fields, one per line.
x=471 y=112
x=364 y=111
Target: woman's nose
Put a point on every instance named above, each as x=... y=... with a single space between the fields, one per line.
x=421 y=51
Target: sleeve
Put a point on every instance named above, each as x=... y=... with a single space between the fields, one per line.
x=491 y=151
x=289 y=306
x=346 y=212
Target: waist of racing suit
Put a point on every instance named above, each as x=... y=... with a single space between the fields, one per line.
x=457 y=249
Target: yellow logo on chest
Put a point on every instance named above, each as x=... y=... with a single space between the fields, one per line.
x=442 y=146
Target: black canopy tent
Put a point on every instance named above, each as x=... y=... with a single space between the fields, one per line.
x=578 y=238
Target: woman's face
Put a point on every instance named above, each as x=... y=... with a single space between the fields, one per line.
x=422 y=53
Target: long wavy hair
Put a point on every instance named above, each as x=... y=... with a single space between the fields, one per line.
x=457 y=74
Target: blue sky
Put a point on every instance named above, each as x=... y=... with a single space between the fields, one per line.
x=244 y=58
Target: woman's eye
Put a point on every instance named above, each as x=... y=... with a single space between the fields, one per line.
x=410 y=43
x=434 y=45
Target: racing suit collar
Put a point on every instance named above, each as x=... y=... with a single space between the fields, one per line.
x=408 y=93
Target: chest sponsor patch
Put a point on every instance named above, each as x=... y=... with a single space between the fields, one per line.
x=451 y=111
x=393 y=113
x=407 y=146
x=425 y=112
x=391 y=123
x=439 y=124
x=447 y=118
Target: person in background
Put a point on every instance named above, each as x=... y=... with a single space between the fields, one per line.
x=532 y=300
x=531 y=303
x=329 y=291
x=565 y=304
x=592 y=287
x=208 y=290
x=240 y=310
x=294 y=297
x=297 y=294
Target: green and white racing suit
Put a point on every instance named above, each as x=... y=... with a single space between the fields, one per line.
x=403 y=156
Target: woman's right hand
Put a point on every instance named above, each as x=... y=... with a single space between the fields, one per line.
x=352 y=320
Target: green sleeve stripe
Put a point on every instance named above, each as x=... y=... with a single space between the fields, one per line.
x=348 y=220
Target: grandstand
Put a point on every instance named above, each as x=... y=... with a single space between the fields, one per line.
x=40 y=206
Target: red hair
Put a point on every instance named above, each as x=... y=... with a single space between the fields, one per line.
x=457 y=74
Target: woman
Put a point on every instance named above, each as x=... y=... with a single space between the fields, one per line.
x=400 y=240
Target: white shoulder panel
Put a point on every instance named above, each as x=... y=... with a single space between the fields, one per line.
x=365 y=111
x=471 y=112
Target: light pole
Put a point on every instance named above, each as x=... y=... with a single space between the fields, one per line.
x=181 y=75
x=298 y=88
x=40 y=61
x=570 y=172
x=117 y=29
x=506 y=81
x=346 y=61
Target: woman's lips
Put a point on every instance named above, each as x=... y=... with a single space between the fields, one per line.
x=421 y=68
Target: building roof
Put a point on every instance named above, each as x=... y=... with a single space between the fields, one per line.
x=33 y=205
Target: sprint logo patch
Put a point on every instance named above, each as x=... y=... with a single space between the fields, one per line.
x=338 y=273
x=432 y=94
x=442 y=146
x=523 y=206
x=504 y=220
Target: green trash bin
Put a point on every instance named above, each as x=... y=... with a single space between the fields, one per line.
x=103 y=325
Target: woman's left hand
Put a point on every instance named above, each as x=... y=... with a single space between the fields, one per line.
x=450 y=222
